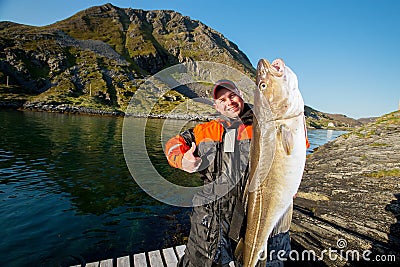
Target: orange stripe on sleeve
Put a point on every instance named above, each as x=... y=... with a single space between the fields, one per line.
x=175 y=148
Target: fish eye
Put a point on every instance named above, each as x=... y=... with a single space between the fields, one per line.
x=263 y=86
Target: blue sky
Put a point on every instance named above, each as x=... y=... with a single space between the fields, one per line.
x=346 y=53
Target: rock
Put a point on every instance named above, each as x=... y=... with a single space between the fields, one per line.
x=350 y=193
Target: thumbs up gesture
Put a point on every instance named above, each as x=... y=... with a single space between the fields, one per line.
x=190 y=163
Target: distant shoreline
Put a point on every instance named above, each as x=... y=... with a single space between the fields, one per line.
x=66 y=109
x=75 y=110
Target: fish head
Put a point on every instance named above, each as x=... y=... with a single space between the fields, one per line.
x=278 y=86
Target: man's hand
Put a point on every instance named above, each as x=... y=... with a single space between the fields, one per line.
x=190 y=163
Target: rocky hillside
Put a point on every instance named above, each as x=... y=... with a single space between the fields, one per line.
x=317 y=119
x=349 y=198
x=94 y=61
x=98 y=57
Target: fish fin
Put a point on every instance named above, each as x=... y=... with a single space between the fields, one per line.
x=283 y=224
x=287 y=138
x=239 y=250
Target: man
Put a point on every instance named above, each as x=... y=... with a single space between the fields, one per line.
x=219 y=150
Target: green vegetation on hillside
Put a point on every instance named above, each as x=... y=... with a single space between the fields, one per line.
x=100 y=56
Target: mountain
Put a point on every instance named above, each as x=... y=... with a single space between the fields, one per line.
x=317 y=119
x=98 y=57
x=367 y=120
x=94 y=61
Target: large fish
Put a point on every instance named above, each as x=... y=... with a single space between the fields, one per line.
x=277 y=158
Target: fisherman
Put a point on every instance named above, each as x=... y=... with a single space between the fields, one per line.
x=219 y=151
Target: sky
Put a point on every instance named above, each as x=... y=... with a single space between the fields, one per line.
x=346 y=53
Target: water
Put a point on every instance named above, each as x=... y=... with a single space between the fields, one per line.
x=66 y=194
x=319 y=137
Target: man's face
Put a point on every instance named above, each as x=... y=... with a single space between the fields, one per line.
x=228 y=103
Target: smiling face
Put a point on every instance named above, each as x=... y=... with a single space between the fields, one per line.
x=228 y=103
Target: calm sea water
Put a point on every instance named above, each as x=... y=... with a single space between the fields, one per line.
x=66 y=194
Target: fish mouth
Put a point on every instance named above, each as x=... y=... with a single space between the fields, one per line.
x=278 y=65
x=275 y=68
x=266 y=69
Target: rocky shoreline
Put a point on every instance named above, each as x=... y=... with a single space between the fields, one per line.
x=58 y=108
x=349 y=198
x=79 y=110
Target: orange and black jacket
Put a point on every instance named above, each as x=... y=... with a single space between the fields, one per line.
x=224 y=175
x=209 y=139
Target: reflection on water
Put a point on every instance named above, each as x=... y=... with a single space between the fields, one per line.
x=66 y=195
x=329 y=134
x=65 y=192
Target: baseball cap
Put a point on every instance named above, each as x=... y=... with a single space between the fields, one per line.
x=227 y=84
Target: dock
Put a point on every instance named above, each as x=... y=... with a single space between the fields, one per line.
x=167 y=257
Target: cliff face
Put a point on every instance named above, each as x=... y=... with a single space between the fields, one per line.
x=98 y=57
x=350 y=191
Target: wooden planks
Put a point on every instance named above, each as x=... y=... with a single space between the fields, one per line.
x=167 y=257
x=170 y=257
x=123 y=262
x=106 y=263
x=139 y=260
x=180 y=250
x=155 y=258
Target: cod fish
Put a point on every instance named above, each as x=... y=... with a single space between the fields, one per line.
x=277 y=159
